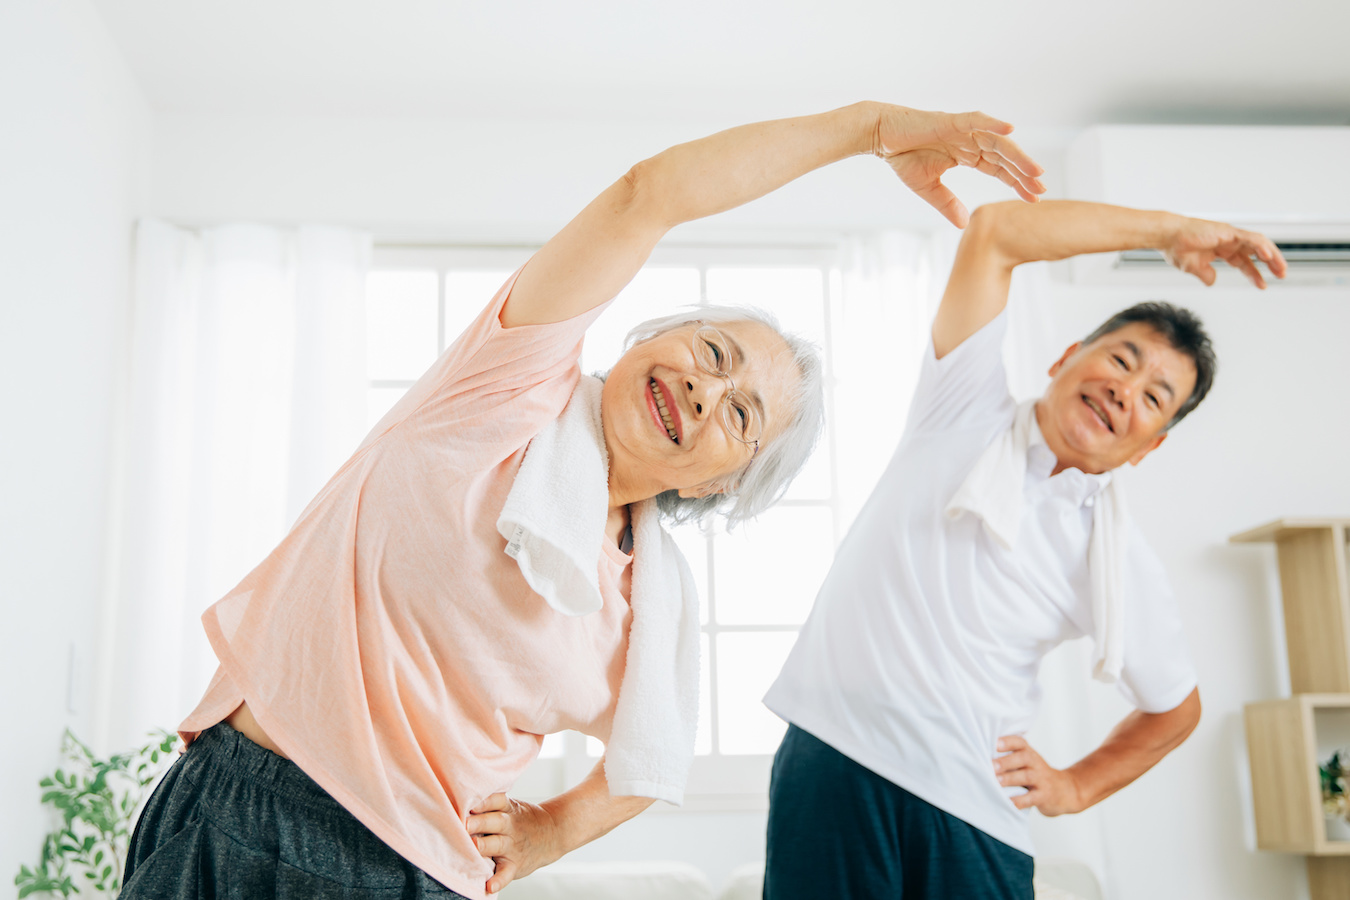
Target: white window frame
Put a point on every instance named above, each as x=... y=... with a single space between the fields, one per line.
x=717 y=782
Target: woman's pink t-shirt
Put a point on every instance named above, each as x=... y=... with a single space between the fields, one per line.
x=389 y=646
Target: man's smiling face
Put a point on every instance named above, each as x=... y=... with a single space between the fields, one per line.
x=1109 y=402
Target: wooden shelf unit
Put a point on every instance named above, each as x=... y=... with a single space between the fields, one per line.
x=1282 y=735
x=1282 y=747
x=1316 y=599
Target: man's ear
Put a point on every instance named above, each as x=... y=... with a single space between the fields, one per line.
x=1148 y=448
x=1059 y=363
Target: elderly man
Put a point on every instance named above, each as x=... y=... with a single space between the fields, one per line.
x=995 y=533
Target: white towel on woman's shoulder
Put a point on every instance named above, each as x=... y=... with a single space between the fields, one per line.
x=554 y=522
x=993 y=491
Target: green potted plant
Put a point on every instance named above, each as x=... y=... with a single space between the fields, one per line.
x=96 y=799
x=1334 y=773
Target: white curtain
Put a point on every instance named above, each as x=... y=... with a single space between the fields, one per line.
x=878 y=332
x=246 y=391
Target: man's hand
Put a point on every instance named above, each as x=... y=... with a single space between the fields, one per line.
x=920 y=146
x=1196 y=243
x=1053 y=791
x=518 y=837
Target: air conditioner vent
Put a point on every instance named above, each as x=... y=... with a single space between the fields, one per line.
x=1297 y=253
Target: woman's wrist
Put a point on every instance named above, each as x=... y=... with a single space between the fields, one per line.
x=865 y=126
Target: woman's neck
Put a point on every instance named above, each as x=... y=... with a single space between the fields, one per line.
x=616 y=524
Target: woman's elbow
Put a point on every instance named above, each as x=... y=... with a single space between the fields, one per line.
x=643 y=195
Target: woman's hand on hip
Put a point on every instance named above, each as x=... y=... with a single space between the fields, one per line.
x=518 y=837
x=920 y=146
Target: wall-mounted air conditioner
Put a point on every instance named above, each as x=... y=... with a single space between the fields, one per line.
x=1292 y=184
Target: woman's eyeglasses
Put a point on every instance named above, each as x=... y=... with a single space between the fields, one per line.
x=738 y=415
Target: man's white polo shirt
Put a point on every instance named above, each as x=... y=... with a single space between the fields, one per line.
x=925 y=640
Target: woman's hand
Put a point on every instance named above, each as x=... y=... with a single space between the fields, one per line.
x=920 y=146
x=1052 y=791
x=519 y=837
x=1195 y=243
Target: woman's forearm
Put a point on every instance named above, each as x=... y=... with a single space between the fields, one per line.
x=725 y=170
x=598 y=252
x=588 y=811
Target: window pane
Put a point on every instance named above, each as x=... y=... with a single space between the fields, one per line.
x=813 y=482
x=796 y=296
x=379 y=401
x=466 y=293
x=553 y=746
x=694 y=545
x=767 y=571
x=654 y=292
x=703 y=737
x=594 y=747
x=400 y=323
x=746 y=665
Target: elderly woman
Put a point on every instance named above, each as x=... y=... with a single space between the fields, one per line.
x=488 y=567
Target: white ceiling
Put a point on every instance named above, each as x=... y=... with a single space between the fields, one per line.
x=1041 y=62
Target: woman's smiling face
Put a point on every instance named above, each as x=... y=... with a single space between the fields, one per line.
x=661 y=411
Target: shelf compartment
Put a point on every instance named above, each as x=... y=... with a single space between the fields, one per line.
x=1285 y=741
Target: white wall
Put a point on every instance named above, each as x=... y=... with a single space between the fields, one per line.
x=486 y=180
x=72 y=177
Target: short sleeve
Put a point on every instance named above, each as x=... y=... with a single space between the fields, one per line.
x=966 y=388
x=1157 y=673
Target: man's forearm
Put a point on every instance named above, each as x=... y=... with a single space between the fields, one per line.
x=588 y=811
x=1057 y=229
x=1133 y=747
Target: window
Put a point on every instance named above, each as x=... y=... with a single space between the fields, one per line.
x=757 y=583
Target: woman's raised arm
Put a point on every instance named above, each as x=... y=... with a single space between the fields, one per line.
x=600 y=251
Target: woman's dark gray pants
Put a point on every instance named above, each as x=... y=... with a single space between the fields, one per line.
x=234 y=820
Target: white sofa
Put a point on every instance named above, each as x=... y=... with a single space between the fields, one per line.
x=1056 y=879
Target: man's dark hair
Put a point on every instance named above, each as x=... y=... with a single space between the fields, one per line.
x=1183 y=330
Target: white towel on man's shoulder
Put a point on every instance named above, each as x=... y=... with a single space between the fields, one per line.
x=554 y=522
x=994 y=490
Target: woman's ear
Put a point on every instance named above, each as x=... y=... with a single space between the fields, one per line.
x=707 y=489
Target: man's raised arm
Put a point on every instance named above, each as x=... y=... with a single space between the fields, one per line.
x=1002 y=236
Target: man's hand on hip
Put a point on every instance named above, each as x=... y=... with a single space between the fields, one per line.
x=1053 y=791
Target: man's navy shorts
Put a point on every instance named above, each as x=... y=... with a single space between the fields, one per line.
x=839 y=830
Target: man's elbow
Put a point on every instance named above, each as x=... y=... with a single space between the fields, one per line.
x=1188 y=715
x=989 y=230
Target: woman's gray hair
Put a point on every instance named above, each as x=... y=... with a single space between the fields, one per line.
x=762 y=481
